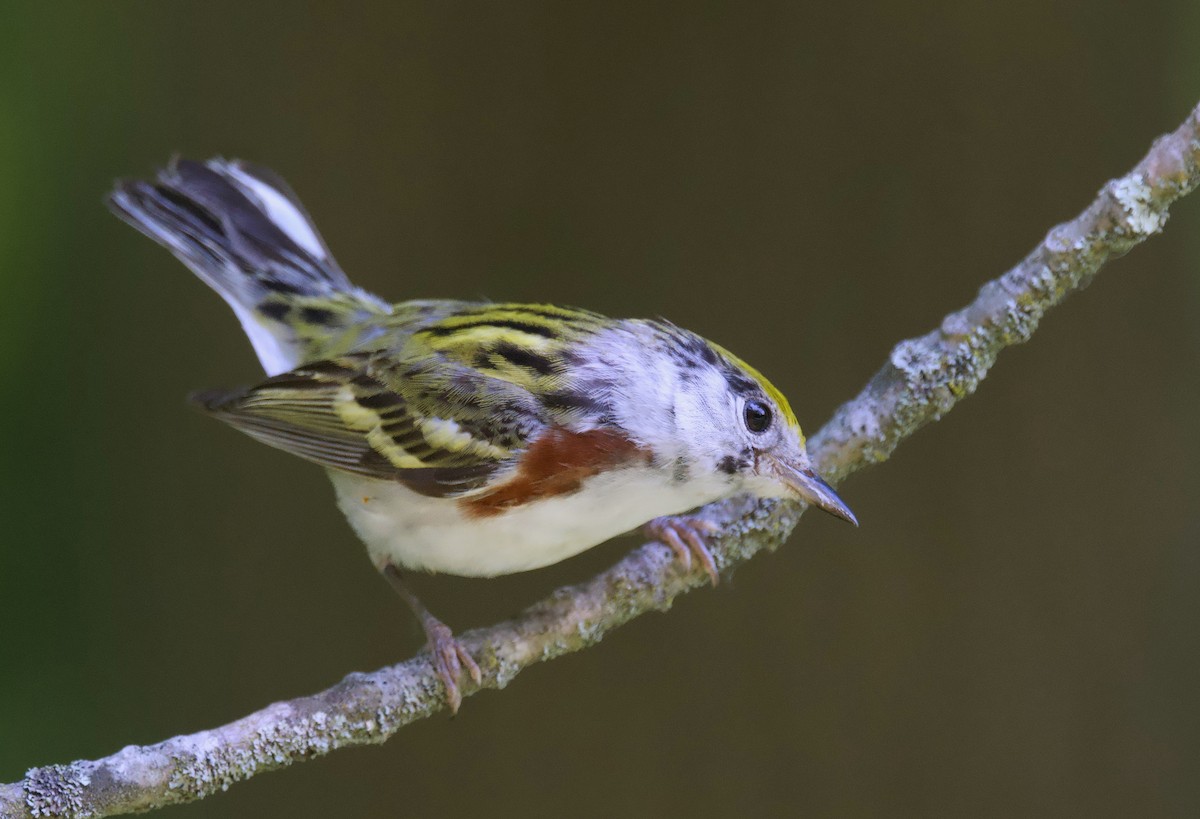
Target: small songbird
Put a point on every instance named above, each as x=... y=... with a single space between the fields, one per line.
x=470 y=438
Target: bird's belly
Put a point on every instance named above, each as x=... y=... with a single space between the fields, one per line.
x=433 y=534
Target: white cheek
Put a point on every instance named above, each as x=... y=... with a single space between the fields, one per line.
x=763 y=487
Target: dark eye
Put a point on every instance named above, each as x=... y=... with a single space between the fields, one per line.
x=757 y=415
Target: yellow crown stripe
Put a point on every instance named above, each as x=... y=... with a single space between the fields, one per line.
x=770 y=389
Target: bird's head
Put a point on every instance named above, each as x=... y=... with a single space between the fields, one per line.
x=741 y=427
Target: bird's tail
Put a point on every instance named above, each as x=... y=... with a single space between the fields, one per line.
x=246 y=235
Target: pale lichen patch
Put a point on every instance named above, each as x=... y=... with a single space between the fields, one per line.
x=58 y=790
x=1135 y=197
x=506 y=671
x=915 y=359
x=209 y=765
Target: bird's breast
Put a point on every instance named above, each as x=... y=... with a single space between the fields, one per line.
x=441 y=535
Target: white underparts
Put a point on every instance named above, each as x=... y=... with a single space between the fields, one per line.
x=433 y=534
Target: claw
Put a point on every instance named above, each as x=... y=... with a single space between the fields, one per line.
x=448 y=655
x=670 y=536
x=685 y=537
x=449 y=658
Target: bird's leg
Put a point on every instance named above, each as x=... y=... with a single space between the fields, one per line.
x=449 y=655
x=685 y=537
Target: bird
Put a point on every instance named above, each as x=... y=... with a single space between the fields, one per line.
x=467 y=437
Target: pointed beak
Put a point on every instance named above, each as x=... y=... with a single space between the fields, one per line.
x=813 y=490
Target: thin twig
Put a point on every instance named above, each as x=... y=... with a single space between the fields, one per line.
x=922 y=380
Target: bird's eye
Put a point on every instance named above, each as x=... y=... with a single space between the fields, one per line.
x=757 y=415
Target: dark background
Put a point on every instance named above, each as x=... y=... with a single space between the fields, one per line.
x=1013 y=631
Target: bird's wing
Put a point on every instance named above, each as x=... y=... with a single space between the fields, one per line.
x=437 y=426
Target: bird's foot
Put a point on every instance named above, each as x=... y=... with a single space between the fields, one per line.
x=684 y=536
x=448 y=655
x=450 y=658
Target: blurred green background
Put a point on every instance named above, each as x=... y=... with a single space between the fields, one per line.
x=1015 y=629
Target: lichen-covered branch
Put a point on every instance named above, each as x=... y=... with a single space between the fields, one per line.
x=923 y=378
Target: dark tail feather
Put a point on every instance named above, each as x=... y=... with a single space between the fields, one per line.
x=245 y=234
x=224 y=213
